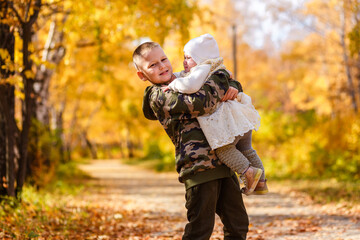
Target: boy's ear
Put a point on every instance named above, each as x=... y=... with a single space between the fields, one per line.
x=141 y=76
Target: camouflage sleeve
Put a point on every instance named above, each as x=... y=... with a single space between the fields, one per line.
x=146 y=106
x=235 y=84
x=203 y=102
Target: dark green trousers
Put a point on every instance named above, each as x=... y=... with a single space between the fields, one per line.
x=223 y=197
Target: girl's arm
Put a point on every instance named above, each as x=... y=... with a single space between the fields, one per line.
x=177 y=74
x=193 y=82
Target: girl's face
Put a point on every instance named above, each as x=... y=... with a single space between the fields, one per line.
x=188 y=63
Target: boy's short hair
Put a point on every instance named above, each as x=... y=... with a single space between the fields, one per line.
x=140 y=50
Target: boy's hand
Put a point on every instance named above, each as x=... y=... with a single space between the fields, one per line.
x=230 y=94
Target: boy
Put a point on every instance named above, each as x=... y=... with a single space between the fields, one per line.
x=211 y=187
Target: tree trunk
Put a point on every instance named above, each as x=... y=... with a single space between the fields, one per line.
x=59 y=126
x=8 y=128
x=8 y=135
x=3 y=154
x=8 y=108
x=351 y=88
x=68 y=140
x=29 y=101
x=4 y=29
x=53 y=55
x=27 y=107
x=358 y=74
x=90 y=145
x=357 y=24
x=234 y=50
x=129 y=143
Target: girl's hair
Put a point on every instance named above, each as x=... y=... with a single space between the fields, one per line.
x=140 y=50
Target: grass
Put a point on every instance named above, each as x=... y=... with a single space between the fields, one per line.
x=41 y=210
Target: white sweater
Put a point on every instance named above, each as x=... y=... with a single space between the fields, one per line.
x=192 y=81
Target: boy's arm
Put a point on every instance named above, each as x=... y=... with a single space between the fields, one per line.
x=230 y=73
x=203 y=102
x=234 y=88
x=193 y=82
x=159 y=104
x=230 y=94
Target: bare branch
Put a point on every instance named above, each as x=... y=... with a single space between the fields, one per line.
x=16 y=12
x=85 y=44
x=27 y=10
x=52 y=4
x=4 y=9
x=36 y=12
x=55 y=48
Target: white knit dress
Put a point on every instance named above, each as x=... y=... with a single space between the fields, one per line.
x=231 y=119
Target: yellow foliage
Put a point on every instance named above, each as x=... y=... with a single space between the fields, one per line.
x=98 y=93
x=29 y=74
x=4 y=54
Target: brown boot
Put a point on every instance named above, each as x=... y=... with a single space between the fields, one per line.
x=261 y=188
x=250 y=177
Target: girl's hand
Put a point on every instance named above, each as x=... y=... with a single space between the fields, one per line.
x=165 y=88
x=230 y=94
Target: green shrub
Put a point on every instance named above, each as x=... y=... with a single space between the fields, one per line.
x=309 y=146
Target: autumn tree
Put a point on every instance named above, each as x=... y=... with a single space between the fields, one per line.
x=354 y=37
x=20 y=16
x=63 y=102
x=8 y=128
x=313 y=92
x=332 y=28
x=97 y=89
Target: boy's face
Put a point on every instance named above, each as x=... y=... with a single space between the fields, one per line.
x=155 y=67
x=188 y=63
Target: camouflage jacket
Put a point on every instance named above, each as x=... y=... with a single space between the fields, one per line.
x=177 y=113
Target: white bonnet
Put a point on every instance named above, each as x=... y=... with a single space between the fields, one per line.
x=202 y=48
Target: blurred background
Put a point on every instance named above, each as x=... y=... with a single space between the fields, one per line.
x=69 y=91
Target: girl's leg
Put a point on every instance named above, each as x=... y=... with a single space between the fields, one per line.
x=244 y=142
x=233 y=158
x=237 y=162
x=244 y=145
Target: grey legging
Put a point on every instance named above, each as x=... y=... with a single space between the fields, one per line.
x=239 y=155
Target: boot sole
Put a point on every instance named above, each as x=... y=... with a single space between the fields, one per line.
x=260 y=192
x=256 y=180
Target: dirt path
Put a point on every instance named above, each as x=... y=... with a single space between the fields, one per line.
x=147 y=205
